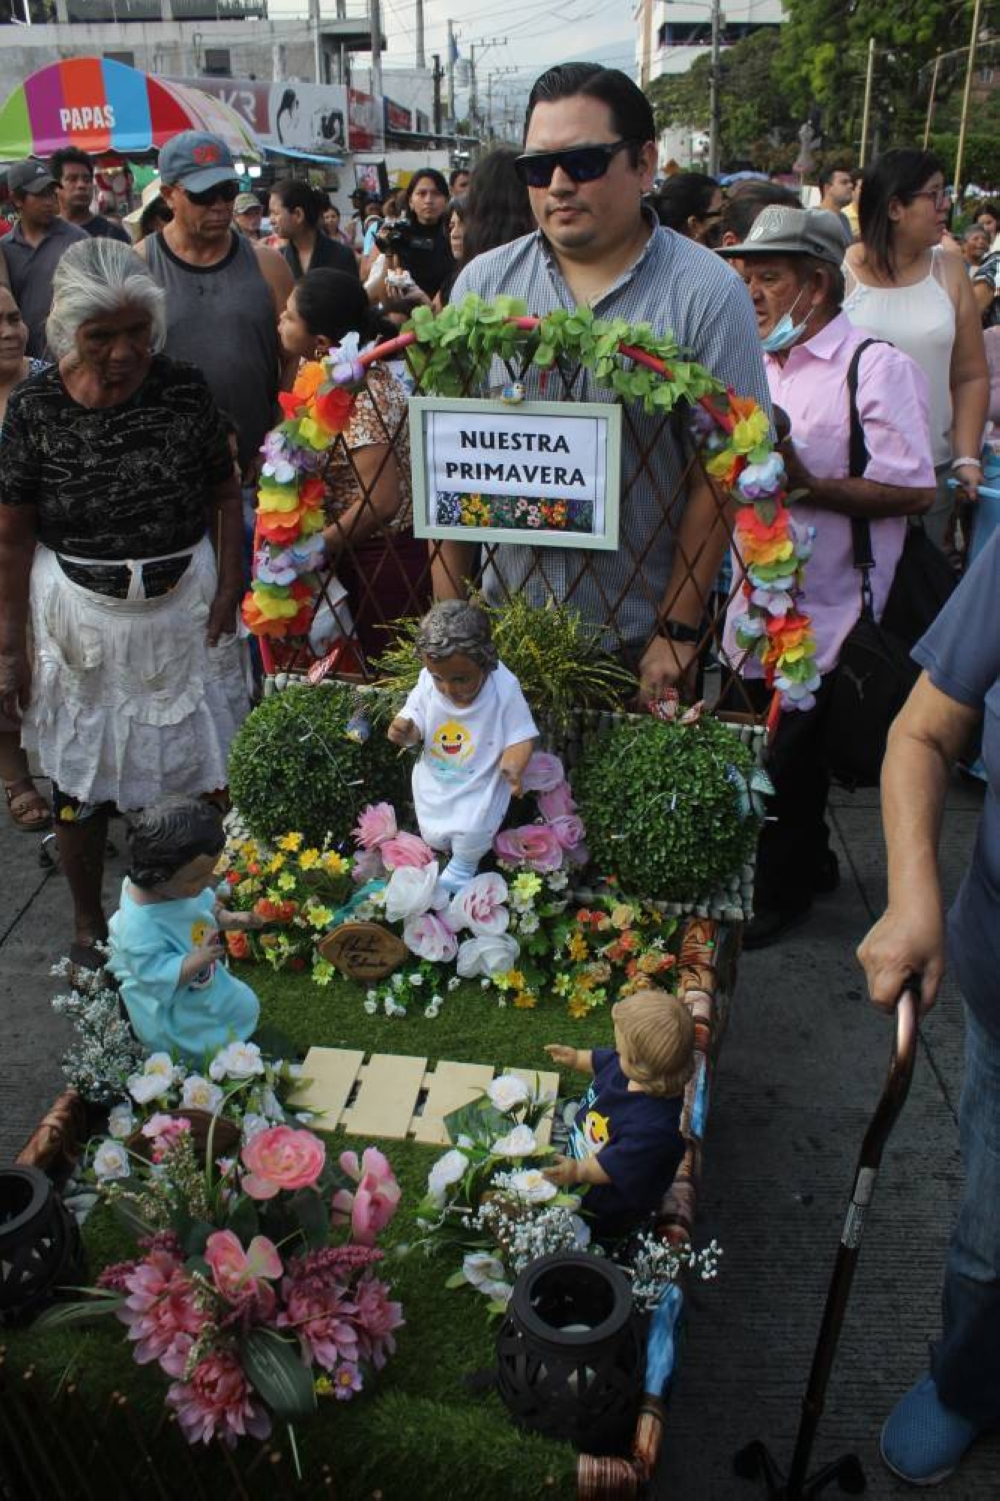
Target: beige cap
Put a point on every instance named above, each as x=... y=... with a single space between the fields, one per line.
x=150 y=193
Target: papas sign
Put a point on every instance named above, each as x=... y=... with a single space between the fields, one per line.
x=363 y=951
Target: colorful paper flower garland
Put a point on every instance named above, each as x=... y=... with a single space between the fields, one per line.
x=288 y=545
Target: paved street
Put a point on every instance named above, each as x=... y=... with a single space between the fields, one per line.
x=801 y=1068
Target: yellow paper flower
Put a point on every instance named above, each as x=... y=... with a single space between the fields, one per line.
x=526 y=885
x=334 y=863
x=525 y=1001
x=309 y=859
x=750 y=432
x=318 y=917
x=577 y=948
x=286 y=881
x=291 y=842
x=275 y=864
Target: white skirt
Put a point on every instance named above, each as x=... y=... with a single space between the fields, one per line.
x=129 y=703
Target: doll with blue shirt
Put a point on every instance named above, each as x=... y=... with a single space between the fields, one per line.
x=164 y=940
x=625 y=1142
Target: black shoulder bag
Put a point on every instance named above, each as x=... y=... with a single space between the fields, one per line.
x=875 y=672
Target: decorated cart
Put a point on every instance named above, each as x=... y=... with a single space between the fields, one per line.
x=338 y=1309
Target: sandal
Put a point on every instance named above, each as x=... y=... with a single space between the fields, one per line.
x=28 y=809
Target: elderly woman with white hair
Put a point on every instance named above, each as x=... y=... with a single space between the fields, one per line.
x=119 y=502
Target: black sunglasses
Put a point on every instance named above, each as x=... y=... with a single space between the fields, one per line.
x=581 y=163
x=224 y=191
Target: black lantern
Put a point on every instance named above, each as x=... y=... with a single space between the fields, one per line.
x=39 y=1243
x=571 y=1352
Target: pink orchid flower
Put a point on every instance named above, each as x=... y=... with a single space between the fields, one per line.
x=375 y=1200
x=235 y=1271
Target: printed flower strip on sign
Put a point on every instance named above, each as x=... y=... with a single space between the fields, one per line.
x=450 y=354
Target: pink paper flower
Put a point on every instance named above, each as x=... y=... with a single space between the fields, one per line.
x=163 y=1130
x=557 y=803
x=479 y=905
x=160 y=1311
x=429 y=937
x=543 y=773
x=321 y=1314
x=534 y=845
x=377 y=1317
x=405 y=850
x=374 y=1202
x=376 y=824
x=346 y=1381
x=218 y=1401
x=281 y=1158
x=367 y=866
x=569 y=830
x=235 y=1271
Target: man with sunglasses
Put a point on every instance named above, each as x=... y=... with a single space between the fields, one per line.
x=35 y=245
x=589 y=158
x=225 y=294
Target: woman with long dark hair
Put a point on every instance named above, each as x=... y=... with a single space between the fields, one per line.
x=691 y=204
x=903 y=287
x=496 y=206
x=296 y=210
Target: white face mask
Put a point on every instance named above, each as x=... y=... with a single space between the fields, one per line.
x=785 y=332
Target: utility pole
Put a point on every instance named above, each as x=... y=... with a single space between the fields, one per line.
x=421 y=60
x=451 y=75
x=930 y=102
x=375 y=16
x=866 y=111
x=965 y=103
x=715 y=127
x=473 y=100
x=438 y=73
x=314 y=25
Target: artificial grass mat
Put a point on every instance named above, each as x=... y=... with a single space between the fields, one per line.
x=417 y=1432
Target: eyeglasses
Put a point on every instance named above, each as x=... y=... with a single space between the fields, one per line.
x=939 y=196
x=581 y=163
x=224 y=192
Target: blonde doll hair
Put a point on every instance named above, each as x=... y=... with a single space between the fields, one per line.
x=658 y=1030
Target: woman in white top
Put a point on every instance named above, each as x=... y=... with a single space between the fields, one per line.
x=903 y=287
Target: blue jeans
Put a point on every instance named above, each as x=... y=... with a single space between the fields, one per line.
x=965 y=1362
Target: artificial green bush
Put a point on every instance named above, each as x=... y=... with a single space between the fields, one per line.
x=293 y=768
x=661 y=804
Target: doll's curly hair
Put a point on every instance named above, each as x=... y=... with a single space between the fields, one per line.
x=162 y=839
x=659 y=1031
x=454 y=626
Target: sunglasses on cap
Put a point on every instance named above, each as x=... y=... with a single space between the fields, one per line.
x=225 y=192
x=581 y=163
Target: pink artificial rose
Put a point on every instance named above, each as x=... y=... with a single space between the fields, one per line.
x=429 y=937
x=534 y=845
x=557 y=803
x=543 y=773
x=235 y=1271
x=376 y=824
x=367 y=866
x=281 y=1158
x=405 y=850
x=375 y=1200
x=217 y=1401
x=569 y=830
x=479 y=905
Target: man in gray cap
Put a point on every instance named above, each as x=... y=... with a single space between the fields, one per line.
x=35 y=245
x=224 y=294
x=248 y=211
x=791 y=264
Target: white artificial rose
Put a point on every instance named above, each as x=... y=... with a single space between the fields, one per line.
x=145 y=1088
x=121 y=1121
x=198 y=1093
x=111 y=1161
x=161 y=1065
x=507 y=1092
x=447 y=1170
x=521 y=1142
x=411 y=890
x=532 y=1187
x=497 y=1291
x=488 y=954
x=480 y=1266
x=239 y=1060
x=479 y=906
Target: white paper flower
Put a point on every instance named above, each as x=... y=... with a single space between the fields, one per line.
x=507 y=1092
x=497 y=1291
x=271 y=1106
x=488 y=954
x=411 y=890
x=582 y=1230
x=155 y=1080
x=121 y=1121
x=198 y=1093
x=240 y=1060
x=479 y=906
x=521 y=1142
x=253 y=1125
x=532 y=1187
x=447 y=1170
x=480 y=1266
x=111 y=1161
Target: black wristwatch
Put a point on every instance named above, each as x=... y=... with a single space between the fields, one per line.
x=676 y=630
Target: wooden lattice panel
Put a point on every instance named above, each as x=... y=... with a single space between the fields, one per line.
x=397 y=1096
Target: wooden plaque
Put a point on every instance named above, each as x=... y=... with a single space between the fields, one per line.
x=364 y=951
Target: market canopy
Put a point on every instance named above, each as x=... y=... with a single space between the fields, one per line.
x=100 y=105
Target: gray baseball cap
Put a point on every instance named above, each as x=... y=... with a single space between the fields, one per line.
x=781 y=230
x=29 y=177
x=196 y=160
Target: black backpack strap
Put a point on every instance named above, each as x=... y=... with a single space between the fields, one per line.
x=861 y=533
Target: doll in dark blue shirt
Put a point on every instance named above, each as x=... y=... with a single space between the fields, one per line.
x=625 y=1142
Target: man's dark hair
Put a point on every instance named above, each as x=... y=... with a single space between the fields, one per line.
x=294 y=193
x=686 y=195
x=454 y=175
x=895 y=174
x=988 y=207
x=745 y=201
x=827 y=174
x=67 y=156
x=631 y=112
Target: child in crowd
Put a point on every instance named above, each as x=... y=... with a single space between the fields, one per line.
x=164 y=939
x=477 y=733
x=625 y=1142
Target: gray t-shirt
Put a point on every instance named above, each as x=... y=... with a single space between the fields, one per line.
x=678 y=287
x=961 y=653
x=31 y=269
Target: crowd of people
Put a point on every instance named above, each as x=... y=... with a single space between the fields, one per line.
x=138 y=382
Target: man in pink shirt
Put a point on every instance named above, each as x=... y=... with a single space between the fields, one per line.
x=790 y=262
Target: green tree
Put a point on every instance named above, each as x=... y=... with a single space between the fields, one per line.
x=754 y=117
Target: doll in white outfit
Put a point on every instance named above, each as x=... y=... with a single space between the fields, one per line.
x=477 y=732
